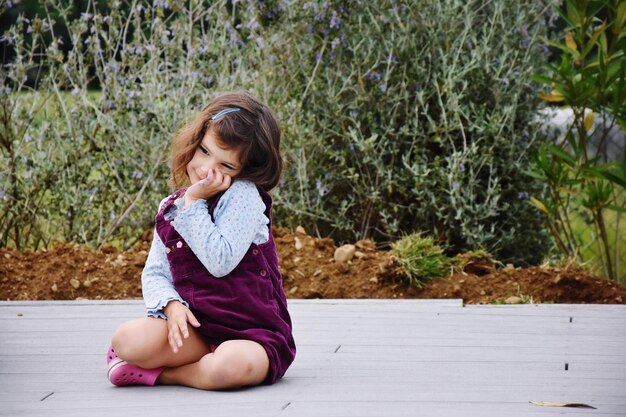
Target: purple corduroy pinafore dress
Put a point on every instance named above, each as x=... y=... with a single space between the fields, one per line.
x=249 y=303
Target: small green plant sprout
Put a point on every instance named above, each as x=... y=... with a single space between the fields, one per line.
x=421 y=258
x=519 y=298
x=478 y=262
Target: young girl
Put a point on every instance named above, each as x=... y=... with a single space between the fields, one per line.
x=217 y=312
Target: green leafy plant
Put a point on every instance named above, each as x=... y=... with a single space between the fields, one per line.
x=397 y=116
x=421 y=258
x=589 y=78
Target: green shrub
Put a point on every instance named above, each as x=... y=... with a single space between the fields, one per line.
x=589 y=78
x=398 y=116
x=414 y=116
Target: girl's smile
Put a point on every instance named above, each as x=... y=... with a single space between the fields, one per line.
x=211 y=155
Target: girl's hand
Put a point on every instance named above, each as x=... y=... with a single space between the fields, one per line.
x=177 y=317
x=215 y=182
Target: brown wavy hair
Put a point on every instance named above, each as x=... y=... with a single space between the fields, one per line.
x=253 y=132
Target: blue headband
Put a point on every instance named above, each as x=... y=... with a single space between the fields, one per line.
x=224 y=113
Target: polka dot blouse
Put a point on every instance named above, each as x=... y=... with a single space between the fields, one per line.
x=220 y=246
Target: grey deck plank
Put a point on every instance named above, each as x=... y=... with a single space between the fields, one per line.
x=355 y=358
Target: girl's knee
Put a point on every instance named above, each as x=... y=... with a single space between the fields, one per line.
x=130 y=342
x=236 y=369
x=122 y=341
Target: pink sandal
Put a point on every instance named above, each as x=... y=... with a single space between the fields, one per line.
x=122 y=373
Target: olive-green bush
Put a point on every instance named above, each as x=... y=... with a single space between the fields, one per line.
x=398 y=116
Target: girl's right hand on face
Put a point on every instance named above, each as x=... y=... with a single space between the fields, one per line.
x=215 y=182
x=177 y=318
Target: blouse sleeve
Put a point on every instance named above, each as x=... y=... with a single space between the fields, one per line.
x=157 y=284
x=239 y=221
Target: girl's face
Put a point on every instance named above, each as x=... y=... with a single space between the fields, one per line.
x=211 y=154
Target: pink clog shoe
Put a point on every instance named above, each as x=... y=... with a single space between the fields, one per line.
x=111 y=355
x=122 y=373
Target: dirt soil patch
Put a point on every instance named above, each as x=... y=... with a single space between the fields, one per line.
x=70 y=271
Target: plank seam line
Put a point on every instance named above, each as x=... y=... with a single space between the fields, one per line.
x=44 y=398
x=337 y=350
x=285 y=406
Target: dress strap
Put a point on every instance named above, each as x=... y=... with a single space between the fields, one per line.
x=168 y=203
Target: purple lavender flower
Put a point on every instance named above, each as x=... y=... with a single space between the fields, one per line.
x=2 y=194
x=137 y=174
x=114 y=67
x=462 y=168
x=309 y=29
x=455 y=186
x=383 y=87
x=522 y=195
x=253 y=24
x=335 y=22
x=321 y=189
x=271 y=58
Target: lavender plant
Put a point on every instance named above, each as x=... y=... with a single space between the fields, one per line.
x=414 y=116
x=398 y=116
x=89 y=164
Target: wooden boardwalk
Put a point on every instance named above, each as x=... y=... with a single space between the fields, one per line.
x=355 y=358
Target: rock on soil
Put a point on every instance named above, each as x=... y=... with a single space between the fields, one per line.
x=309 y=269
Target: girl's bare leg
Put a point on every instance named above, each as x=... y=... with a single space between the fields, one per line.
x=143 y=342
x=234 y=364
